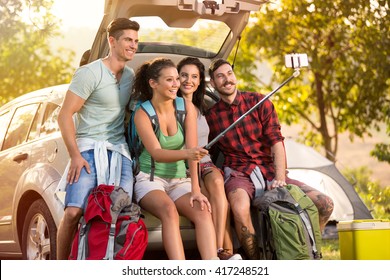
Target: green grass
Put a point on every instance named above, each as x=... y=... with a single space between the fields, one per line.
x=330 y=249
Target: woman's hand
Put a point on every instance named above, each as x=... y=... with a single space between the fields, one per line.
x=201 y=199
x=196 y=154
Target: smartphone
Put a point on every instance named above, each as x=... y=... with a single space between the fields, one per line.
x=296 y=60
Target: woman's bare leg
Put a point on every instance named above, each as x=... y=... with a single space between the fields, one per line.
x=204 y=227
x=213 y=188
x=159 y=204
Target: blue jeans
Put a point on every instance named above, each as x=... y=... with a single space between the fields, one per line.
x=77 y=193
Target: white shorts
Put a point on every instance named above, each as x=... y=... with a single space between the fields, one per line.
x=175 y=187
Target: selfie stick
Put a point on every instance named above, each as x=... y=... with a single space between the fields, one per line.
x=219 y=136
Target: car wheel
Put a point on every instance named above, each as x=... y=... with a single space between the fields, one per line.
x=39 y=233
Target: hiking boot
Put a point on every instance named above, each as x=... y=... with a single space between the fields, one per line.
x=225 y=255
x=250 y=246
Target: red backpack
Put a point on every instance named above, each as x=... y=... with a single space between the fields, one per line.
x=111 y=227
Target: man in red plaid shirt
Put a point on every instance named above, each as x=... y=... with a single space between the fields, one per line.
x=254 y=144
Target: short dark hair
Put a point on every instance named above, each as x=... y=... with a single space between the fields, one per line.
x=215 y=64
x=116 y=27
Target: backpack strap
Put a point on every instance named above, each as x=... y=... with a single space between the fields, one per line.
x=82 y=247
x=149 y=110
x=133 y=140
x=181 y=112
x=111 y=241
x=306 y=221
x=120 y=200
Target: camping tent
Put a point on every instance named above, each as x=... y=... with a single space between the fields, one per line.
x=307 y=165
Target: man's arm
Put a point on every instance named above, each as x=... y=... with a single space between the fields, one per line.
x=72 y=104
x=279 y=159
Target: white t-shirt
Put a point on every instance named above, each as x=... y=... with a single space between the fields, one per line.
x=203 y=135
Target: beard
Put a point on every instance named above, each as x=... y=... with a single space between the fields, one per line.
x=227 y=91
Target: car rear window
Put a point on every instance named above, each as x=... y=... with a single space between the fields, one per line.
x=203 y=39
x=4 y=120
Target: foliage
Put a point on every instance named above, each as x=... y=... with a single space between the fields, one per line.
x=376 y=197
x=330 y=249
x=382 y=150
x=347 y=82
x=27 y=61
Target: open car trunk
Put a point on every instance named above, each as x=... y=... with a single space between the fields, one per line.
x=178 y=28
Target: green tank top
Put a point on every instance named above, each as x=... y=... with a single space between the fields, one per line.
x=166 y=169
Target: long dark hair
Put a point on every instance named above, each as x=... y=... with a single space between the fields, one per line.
x=198 y=96
x=148 y=70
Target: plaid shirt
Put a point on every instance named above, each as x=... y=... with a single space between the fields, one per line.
x=248 y=144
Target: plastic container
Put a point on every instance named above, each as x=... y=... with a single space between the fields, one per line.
x=364 y=239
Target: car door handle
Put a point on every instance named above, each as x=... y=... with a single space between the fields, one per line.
x=20 y=157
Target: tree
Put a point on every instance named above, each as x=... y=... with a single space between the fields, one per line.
x=382 y=150
x=27 y=61
x=347 y=83
x=376 y=198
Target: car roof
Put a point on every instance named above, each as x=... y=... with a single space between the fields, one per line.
x=175 y=15
x=54 y=94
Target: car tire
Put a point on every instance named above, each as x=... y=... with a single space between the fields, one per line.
x=39 y=233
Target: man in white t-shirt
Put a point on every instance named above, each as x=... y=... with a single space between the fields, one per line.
x=98 y=94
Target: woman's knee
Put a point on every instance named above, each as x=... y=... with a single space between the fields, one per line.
x=168 y=211
x=215 y=184
x=201 y=217
x=219 y=182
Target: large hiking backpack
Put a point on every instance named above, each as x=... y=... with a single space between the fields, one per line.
x=111 y=227
x=289 y=225
x=133 y=140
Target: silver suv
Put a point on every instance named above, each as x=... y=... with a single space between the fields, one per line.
x=32 y=153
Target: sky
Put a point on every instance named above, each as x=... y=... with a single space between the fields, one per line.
x=80 y=20
x=77 y=13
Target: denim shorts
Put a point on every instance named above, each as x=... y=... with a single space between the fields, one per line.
x=77 y=193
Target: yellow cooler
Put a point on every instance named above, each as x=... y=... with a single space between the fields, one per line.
x=364 y=239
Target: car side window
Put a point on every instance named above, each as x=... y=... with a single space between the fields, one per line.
x=20 y=125
x=4 y=120
x=34 y=127
x=49 y=121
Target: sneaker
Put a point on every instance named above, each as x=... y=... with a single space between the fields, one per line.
x=225 y=255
